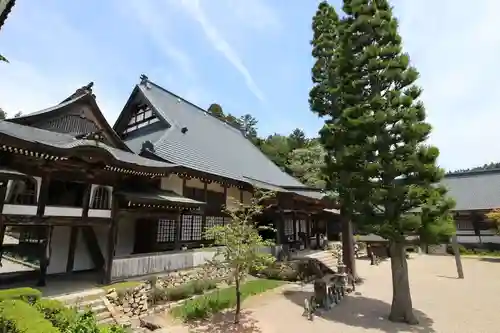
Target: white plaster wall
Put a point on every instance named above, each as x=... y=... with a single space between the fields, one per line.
x=475 y=239
x=60 y=247
x=247 y=197
x=126 y=237
x=83 y=261
x=172 y=183
x=232 y=198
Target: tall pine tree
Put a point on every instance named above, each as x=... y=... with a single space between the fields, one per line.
x=375 y=134
x=328 y=101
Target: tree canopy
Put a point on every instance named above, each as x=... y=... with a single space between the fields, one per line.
x=375 y=133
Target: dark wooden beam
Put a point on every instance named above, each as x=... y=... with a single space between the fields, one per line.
x=45 y=256
x=178 y=232
x=204 y=221
x=3 y=190
x=45 y=250
x=241 y=196
x=86 y=201
x=112 y=238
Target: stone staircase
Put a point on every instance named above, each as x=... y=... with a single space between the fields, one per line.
x=93 y=300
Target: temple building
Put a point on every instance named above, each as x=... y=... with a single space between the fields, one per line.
x=77 y=195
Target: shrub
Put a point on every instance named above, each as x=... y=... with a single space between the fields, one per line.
x=17 y=316
x=57 y=313
x=29 y=295
x=216 y=301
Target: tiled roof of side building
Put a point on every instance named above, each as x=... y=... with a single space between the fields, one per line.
x=208 y=145
x=474 y=190
x=66 y=141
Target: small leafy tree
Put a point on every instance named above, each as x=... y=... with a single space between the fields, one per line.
x=2 y=58
x=240 y=244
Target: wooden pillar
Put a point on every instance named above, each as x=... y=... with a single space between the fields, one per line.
x=308 y=231
x=241 y=195
x=112 y=238
x=178 y=231
x=280 y=228
x=45 y=249
x=3 y=227
x=204 y=216
x=294 y=221
x=73 y=238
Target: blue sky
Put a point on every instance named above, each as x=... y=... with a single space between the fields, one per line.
x=250 y=57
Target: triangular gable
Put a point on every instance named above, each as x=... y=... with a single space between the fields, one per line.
x=77 y=115
x=138 y=118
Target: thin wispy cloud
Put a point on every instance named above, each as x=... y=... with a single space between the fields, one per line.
x=193 y=8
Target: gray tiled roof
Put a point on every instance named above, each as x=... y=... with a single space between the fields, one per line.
x=474 y=190
x=159 y=196
x=209 y=145
x=66 y=141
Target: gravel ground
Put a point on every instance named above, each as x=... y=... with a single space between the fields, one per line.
x=442 y=303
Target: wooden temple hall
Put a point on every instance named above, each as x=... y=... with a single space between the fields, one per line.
x=134 y=199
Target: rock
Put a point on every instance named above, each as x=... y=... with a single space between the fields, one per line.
x=127 y=310
x=152 y=322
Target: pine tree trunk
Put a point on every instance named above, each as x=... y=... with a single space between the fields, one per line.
x=238 y=300
x=401 y=308
x=348 y=246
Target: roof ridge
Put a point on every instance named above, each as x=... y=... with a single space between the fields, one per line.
x=199 y=108
x=458 y=174
x=222 y=122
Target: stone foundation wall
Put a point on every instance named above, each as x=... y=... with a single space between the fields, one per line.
x=133 y=302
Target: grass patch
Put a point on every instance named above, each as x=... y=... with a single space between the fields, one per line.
x=122 y=285
x=204 y=306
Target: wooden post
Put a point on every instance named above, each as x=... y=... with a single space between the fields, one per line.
x=458 y=259
x=3 y=227
x=45 y=250
x=308 y=231
x=73 y=238
x=178 y=231
x=204 y=217
x=111 y=243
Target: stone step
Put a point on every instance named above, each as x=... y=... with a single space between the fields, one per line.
x=103 y=316
x=107 y=321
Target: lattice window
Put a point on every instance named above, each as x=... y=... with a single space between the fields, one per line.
x=288 y=227
x=187 y=227
x=212 y=221
x=227 y=220
x=463 y=224
x=197 y=227
x=303 y=226
x=23 y=192
x=166 y=231
x=101 y=198
x=142 y=117
x=191 y=227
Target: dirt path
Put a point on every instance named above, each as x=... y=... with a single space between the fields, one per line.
x=442 y=303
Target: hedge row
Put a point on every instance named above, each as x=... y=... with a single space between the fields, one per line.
x=29 y=295
x=17 y=316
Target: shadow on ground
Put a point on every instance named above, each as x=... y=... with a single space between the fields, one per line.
x=223 y=323
x=491 y=259
x=367 y=313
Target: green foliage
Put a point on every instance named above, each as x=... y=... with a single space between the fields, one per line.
x=2 y=58
x=307 y=163
x=57 y=313
x=17 y=316
x=29 y=295
x=241 y=245
x=216 y=111
x=375 y=129
x=202 y=307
